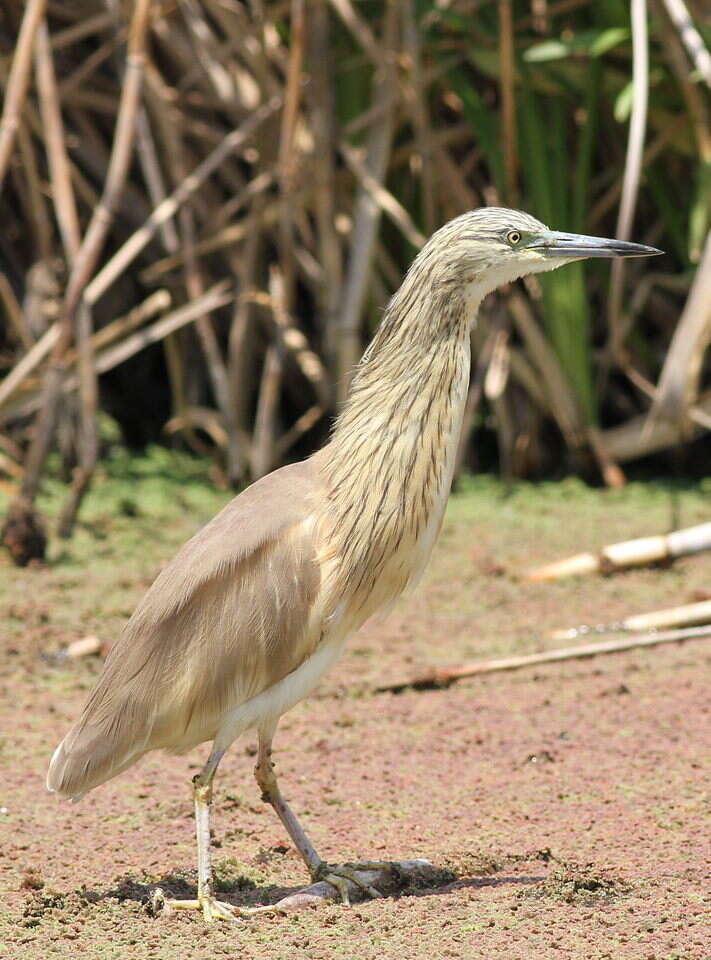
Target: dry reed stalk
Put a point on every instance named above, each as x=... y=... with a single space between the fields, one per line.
x=361 y=31
x=81 y=76
x=153 y=175
x=689 y=613
x=91 y=246
x=697 y=104
x=79 y=31
x=690 y=37
x=420 y=114
x=381 y=196
x=680 y=378
x=495 y=381
x=31 y=360
x=640 y=437
x=305 y=422
x=208 y=58
x=135 y=243
x=476 y=387
x=642 y=551
x=88 y=441
x=609 y=199
x=292 y=339
x=617 y=328
x=366 y=215
x=59 y=169
x=228 y=236
x=118 y=166
x=217 y=296
x=213 y=354
x=157 y=302
x=33 y=197
x=610 y=471
x=554 y=9
x=562 y=401
x=13 y=312
x=287 y=160
x=242 y=340
x=121 y=152
x=323 y=131
x=445 y=676
x=508 y=103
x=264 y=440
x=17 y=81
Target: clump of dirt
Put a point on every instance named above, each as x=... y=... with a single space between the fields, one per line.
x=24 y=533
x=39 y=904
x=229 y=875
x=414 y=882
x=474 y=863
x=578 y=884
x=31 y=880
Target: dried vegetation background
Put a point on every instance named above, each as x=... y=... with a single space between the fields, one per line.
x=205 y=206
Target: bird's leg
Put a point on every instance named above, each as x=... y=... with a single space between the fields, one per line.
x=318 y=868
x=212 y=908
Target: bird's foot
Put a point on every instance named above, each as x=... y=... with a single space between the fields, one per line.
x=339 y=876
x=212 y=908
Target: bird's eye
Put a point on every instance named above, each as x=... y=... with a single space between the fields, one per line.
x=513 y=237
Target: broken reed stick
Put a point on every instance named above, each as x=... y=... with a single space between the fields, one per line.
x=629 y=553
x=696 y=613
x=444 y=676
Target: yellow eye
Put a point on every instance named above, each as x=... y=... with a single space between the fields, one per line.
x=513 y=237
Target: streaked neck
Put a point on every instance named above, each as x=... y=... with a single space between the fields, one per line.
x=389 y=464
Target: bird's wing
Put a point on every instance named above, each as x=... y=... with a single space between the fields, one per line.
x=226 y=619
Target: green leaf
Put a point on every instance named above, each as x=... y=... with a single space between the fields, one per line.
x=548 y=50
x=623 y=103
x=588 y=43
x=607 y=39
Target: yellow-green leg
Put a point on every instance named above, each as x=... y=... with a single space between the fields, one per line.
x=337 y=876
x=211 y=907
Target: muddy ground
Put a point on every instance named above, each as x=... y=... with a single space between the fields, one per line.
x=567 y=805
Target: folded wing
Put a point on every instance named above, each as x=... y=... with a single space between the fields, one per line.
x=230 y=616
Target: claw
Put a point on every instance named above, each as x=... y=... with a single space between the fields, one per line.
x=212 y=908
x=338 y=877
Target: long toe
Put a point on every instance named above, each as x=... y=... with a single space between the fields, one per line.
x=212 y=908
x=339 y=876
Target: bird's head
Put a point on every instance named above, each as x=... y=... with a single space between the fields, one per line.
x=492 y=246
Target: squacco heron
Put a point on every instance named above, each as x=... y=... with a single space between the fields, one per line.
x=252 y=611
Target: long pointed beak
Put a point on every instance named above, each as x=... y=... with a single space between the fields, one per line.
x=575 y=246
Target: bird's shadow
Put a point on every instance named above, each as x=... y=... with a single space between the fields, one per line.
x=244 y=893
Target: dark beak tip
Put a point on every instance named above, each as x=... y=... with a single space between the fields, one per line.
x=642 y=251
